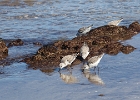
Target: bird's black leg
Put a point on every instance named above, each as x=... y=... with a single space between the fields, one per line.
x=84 y=61
x=59 y=73
x=98 y=70
x=70 y=71
x=68 y=68
x=59 y=70
x=94 y=68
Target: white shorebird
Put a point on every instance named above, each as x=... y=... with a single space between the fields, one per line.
x=93 y=62
x=84 y=30
x=84 y=51
x=115 y=22
x=67 y=60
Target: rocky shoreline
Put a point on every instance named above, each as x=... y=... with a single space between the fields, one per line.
x=107 y=39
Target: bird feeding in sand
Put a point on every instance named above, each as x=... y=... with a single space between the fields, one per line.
x=93 y=62
x=67 y=60
x=84 y=30
x=115 y=22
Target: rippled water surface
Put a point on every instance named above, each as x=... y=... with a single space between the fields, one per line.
x=49 y=20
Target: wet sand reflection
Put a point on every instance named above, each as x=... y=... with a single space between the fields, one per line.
x=68 y=78
x=93 y=78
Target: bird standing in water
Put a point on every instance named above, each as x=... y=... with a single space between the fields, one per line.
x=93 y=62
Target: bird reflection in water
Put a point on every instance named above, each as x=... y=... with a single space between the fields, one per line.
x=93 y=78
x=68 y=78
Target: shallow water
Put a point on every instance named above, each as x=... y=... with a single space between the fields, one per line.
x=46 y=21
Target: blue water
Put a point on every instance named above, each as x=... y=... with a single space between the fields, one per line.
x=57 y=19
x=49 y=20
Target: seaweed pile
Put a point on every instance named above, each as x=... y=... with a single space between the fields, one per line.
x=108 y=39
x=3 y=50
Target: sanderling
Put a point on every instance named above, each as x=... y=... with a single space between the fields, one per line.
x=93 y=62
x=84 y=51
x=67 y=60
x=115 y=22
x=84 y=30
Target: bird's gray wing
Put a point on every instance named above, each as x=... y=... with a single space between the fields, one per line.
x=90 y=26
x=93 y=59
x=64 y=59
x=81 y=29
x=70 y=58
x=115 y=22
x=101 y=55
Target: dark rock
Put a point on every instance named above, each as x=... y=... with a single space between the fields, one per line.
x=114 y=48
x=37 y=43
x=102 y=39
x=135 y=26
x=3 y=50
x=101 y=95
x=17 y=42
x=127 y=49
